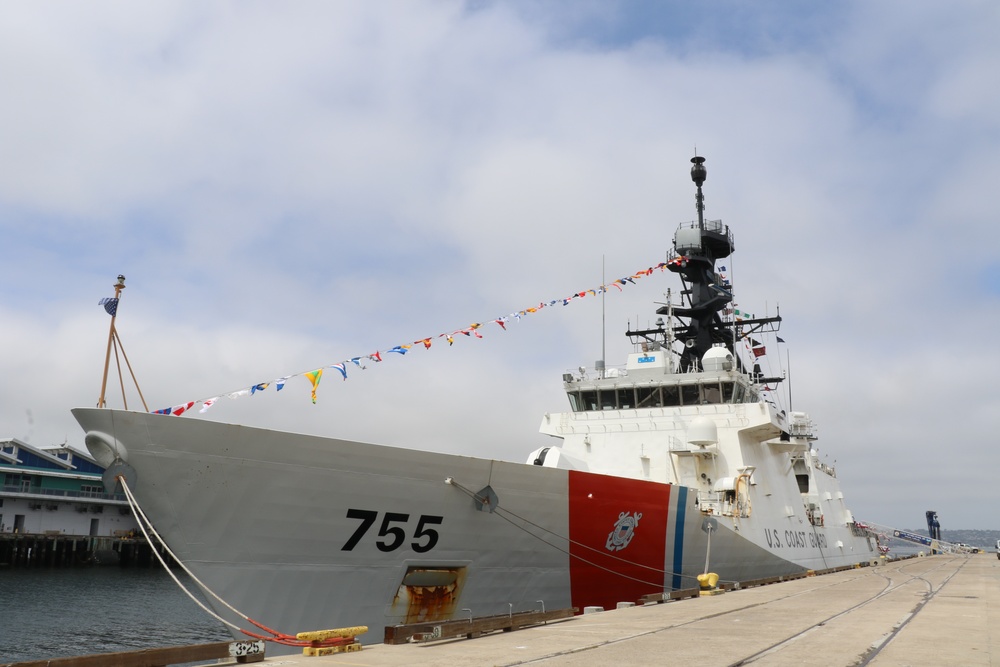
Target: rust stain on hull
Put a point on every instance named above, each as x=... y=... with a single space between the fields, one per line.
x=429 y=594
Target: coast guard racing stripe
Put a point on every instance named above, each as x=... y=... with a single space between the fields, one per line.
x=617 y=529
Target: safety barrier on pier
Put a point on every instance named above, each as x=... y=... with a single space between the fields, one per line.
x=471 y=627
x=680 y=594
x=242 y=652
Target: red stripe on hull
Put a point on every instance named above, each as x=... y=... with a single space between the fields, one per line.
x=618 y=529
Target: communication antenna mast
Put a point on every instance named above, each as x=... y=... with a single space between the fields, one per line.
x=604 y=327
x=698 y=175
x=788 y=365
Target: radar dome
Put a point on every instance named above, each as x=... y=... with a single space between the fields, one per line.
x=718 y=359
x=702 y=432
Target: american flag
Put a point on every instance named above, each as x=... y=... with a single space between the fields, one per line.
x=110 y=304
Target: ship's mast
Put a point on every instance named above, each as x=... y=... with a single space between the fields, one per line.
x=697 y=247
x=119 y=286
x=115 y=342
x=698 y=175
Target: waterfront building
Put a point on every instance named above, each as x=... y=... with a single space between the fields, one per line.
x=57 y=491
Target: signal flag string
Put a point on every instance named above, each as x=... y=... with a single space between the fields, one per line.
x=677 y=264
x=473 y=330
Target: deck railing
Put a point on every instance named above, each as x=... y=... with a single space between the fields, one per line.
x=18 y=490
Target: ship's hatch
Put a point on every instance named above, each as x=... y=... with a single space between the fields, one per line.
x=428 y=593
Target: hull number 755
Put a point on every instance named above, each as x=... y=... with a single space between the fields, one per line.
x=392 y=534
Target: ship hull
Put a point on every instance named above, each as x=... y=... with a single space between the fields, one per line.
x=303 y=533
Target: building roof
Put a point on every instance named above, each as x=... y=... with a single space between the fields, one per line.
x=60 y=458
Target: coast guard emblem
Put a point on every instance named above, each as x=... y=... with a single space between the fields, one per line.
x=623 y=532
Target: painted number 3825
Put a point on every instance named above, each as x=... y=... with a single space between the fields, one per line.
x=393 y=530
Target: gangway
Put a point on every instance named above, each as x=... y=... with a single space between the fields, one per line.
x=936 y=545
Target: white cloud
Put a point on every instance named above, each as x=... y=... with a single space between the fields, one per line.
x=289 y=186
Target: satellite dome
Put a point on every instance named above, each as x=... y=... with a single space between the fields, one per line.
x=702 y=432
x=718 y=359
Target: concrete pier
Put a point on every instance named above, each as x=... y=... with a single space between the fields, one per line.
x=942 y=610
x=935 y=610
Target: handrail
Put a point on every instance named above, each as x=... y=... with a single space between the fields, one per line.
x=62 y=493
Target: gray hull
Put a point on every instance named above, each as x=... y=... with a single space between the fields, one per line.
x=304 y=533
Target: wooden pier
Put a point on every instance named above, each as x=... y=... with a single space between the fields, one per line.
x=217 y=652
x=59 y=550
x=471 y=627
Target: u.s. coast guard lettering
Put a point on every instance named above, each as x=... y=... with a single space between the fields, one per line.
x=623 y=532
x=794 y=539
x=425 y=538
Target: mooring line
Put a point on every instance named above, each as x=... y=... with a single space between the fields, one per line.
x=143 y=521
x=502 y=512
x=278 y=637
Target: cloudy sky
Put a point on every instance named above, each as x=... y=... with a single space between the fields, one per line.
x=289 y=185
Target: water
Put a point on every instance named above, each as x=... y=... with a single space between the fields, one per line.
x=54 y=613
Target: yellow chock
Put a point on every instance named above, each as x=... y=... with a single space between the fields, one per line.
x=330 y=650
x=708 y=583
x=338 y=640
x=320 y=635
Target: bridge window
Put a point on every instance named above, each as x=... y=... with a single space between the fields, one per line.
x=626 y=398
x=711 y=393
x=648 y=397
x=608 y=399
x=671 y=396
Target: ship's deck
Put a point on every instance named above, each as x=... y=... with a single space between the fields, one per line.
x=932 y=610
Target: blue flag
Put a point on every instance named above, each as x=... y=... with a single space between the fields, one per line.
x=110 y=305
